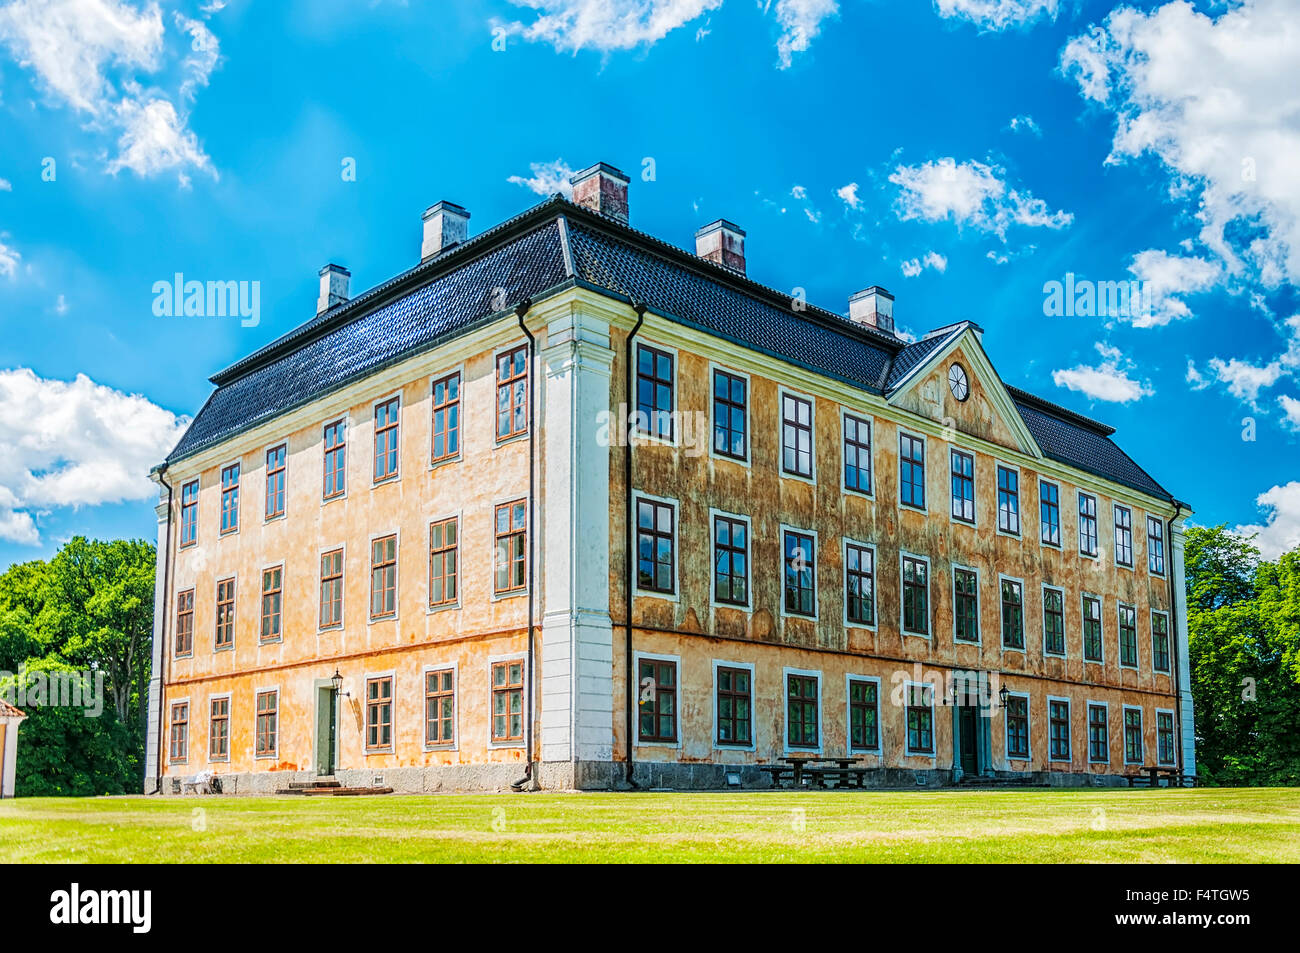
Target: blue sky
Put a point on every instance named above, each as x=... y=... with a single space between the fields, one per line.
x=962 y=153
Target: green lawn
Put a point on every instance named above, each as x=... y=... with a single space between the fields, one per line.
x=1115 y=826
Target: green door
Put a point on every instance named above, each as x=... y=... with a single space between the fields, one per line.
x=326 y=730
x=967 y=726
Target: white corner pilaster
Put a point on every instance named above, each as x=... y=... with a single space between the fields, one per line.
x=160 y=606
x=1185 y=713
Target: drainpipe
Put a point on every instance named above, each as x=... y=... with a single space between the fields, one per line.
x=1173 y=645
x=529 y=779
x=629 y=680
x=166 y=602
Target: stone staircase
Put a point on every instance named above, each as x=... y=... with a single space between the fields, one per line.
x=329 y=787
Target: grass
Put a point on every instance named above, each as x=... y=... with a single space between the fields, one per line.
x=1086 y=825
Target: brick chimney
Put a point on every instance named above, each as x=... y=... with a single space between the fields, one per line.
x=603 y=189
x=873 y=307
x=333 y=287
x=723 y=242
x=445 y=224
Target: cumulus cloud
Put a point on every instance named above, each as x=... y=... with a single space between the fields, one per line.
x=998 y=14
x=1290 y=411
x=604 y=25
x=154 y=139
x=801 y=23
x=1167 y=278
x=9 y=257
x=1024 y=123
x=1245 y=380
x=1110 y=380
x=848 y=194
x=547 y=178
x=1280 y=531
x=914 y=266
x=971 y=194
x=74 y=444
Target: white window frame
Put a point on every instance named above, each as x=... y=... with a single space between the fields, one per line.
x=1132 y=542
x=787 y=528
x=953 y=450
x=900 y=433
x=811 y=479
x=1069 y=725
x=870 y=421
x=370 y=578
x=749 y=416
x=1024 y=638
x=850 y=677
x=522 y=658
x=1119 y=634
x=1101 y=620
x=753 y=722
x=1065 y=621
x=845 y=542
x=1020 y=500
x=1060 y=516
x=749 y=561
x=1168 y=635
x=645 y=439
x=401 y=426
x=637 y=658
x=1142 y=733
x=979 y=629
x=460 y=447
x=1029 y=729
x=1174 y=729
x=934 y=722
x=454 y=744
x=786 y=672
x=928 y=635
x=391 y=747
x=1087 y=725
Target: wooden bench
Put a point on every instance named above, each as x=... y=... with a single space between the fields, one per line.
x=843 y=777
x=779 y=773
x=1151 y=776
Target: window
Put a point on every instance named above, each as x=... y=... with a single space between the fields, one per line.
x=512 y=393
x=1124 y=536
x=190 y=513
x=1053 y=622
x=1013 y=614
x=507 y=702
x=965 y=605
x=735 y=706
x=219 y=729
x=440 y=707
x=268 y=723
x=1160 y=641
x=860 y=584
x=963 y=486
x=446 y=418
x=185 y=624
x=1049 y=513
x=1017 y=719
x=864 y=715
x=1092 y=647
x=1058 y=729
x=857 y=454
x=916 y=596
x=511 y=533
x=730 y=427
x=179 y=749
x=800 y=578
x=387 y=421
x=1155 y=546
x=920 y=719
x=275 y=463
x=1087 y=525
x=1165 y=737
x=379 y=713
x=1128 y=637
x=658 y=704
x=911 y=471
x=801 y=710
x=230 y=498
x=331 y=589
x=655 y=552
x=796 y=435
x=1009 y=501
x=383 y=577
x=335 y=460
x=272 y=603
x=225 y=614
x=1098 y=735
x=654 y=392
x=730 y=561
x=444 y=547
x=1133 y=736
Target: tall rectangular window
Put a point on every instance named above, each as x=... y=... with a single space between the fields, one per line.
x=735 y=706
x=272 y=603
x=860 y=584
x=730 y=421
x=730 y=561
x=1165 y=737
x=1058 y=728
x=966 y=605
x=335 y=460
x=801 y=711
x=1124 y=536
x=911 y=471
x=331 y=589
x=179 y=749
x=440 y=707
x=963 y=486
x=444 y=550
x=857 y=454
x=379 y=713
x=1013 y=614
x=864 y=715
x=800 y=575
x=185 y=624
x=230 y=498
x=1053 y=622
x=654 y=392
x=275 y=465
x=268 y=724
x=1017 y=720
x=190 y=513
x=920 y=719
x=512 y=393
x=1009 y=501
x=387 y=432
x=658 y=704
x=796 y=435
x=1133 y=753
x=1155 y=546
x=1087 y=525
x=1049 y=513
x=1092 y=645
x=1160 y=641
x=219 y=729
x=507 y=702
x=1098 y=735
x=446 y=418
x=655 y=546
x=510 y=531
x=225 y=638
x=916 y=596
x=383 y=577
x=1128 y=637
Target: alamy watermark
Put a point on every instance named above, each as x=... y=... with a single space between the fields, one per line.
x=41 y=689
x=687 y=430
x=1085 y=298
x=179 y=298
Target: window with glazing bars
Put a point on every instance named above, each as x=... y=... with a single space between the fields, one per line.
x=735 y=701
x=796 y=435
x=963 y=486
x=916 y=596
x=911 y=471
x=1049 y=513
x=1009 y=501
x=512 y=393
x=800 y=579
x=655 y=547
x=335 y=461
x=387 y=424
x=379 y=713
x=966 y=606
x=331 y=589
x=444 y=550
x=801 y=710
x=383 y=577
x=230 y=498
x=864 y=715
x=730 y=561
x=857 y=454
x=446 y=418
x=1087 y=524
x=185 y=623
x=1053 y=622
x=658 y=703
x=730 y=407
x=439 y=707
x=860 y=584
x=654 y=392
x=1092 y=645
x=1013 y=614
x=511 y=533
x=275 y=467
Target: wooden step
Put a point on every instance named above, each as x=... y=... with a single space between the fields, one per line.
x=318 y=783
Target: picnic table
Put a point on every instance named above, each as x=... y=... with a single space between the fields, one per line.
x=816 y=768
x=1151 y=774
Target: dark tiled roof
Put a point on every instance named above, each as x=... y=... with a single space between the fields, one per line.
x=916 y=352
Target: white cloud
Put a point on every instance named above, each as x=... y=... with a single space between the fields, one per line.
x=914 y=266
x=61 y=305
x=205 y=51
x=604 y=25
x=1024 y=123
x=1290 y=410
x=1167 y=278
x=998 y=14
x=6 y=185
x=801 y=23
x=1109 y=380
x=9 y=258
x=1280 y=531
x=848 y=194
x=1194 y=377
x=970 y=193
x=1245 y=380
x=154 y=139
x=547 y=178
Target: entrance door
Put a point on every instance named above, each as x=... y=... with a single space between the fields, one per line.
x=967 y=726
x=326 y=730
